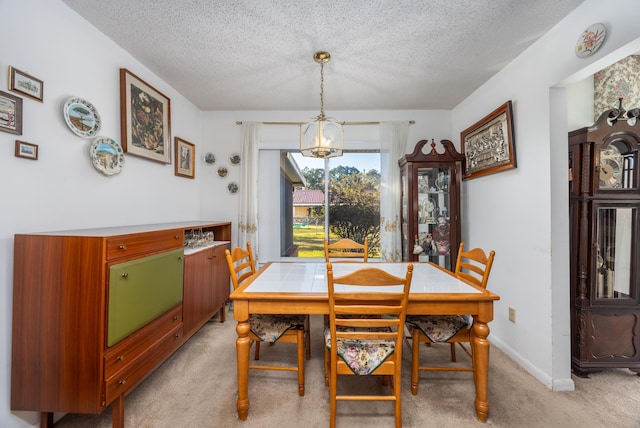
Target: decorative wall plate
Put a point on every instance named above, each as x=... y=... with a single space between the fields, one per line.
x=82 y=117
x=234 y=159
x=223 y=171
x=209 y=158
x=107 y=156
x=590 y=40
x=233 y=188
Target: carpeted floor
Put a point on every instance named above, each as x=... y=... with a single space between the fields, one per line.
x=196 y=387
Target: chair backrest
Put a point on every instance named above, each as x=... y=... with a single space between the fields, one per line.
x=346 y=248
x=368 y=291
x=241 y=264
x=474 y=265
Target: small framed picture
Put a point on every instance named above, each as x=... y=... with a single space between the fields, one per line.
x=26 y=150
x=185 y=158
x=27 y=85
x=10 y=113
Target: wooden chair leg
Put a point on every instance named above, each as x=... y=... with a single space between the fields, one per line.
x=301 y=346
x=326 y=365
x=453 y=352
x=415 y=360
x=256 y=355
x=307 y=338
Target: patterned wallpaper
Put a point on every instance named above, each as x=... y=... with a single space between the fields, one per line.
x=621 y=79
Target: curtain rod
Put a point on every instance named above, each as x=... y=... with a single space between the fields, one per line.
x=239 y=122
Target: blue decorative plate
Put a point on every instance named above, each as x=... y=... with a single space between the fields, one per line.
x=82 y=117
x=107 y=156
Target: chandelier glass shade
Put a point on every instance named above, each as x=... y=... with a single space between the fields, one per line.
x=322 y=137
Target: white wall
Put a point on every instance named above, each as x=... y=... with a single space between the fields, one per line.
x=523 y=213
x=62 y=189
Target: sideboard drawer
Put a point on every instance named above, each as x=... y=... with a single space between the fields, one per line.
x=124 y=352
x=135 y=371
x=127 y=245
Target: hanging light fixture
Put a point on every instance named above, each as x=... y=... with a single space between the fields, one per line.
x=322 y=137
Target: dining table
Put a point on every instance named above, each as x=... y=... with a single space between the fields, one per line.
x=301 y=288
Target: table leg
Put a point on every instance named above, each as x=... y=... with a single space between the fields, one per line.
x=481 y=364
x=243 y=344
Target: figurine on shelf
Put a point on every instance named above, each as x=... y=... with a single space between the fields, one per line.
x=417 y=249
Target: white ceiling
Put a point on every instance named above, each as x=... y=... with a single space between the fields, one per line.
x=386 y=54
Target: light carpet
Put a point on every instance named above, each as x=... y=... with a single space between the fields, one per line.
x=196 y=387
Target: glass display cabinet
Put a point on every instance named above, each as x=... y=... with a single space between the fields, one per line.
x=430 y=210
x=604 y=202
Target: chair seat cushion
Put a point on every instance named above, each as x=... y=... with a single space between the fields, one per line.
x=269 y=328
x=439 y=328
x=361 y=356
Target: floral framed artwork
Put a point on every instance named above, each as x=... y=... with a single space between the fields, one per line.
x=10 y=113
x=26 y=150
x=488 y=145
x=185 y=158
x=27 y=85
x=145 y=118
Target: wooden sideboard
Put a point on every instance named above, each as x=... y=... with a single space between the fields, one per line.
x=95 y=311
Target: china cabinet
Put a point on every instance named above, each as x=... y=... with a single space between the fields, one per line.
x=430 y=211
x=95 y=311
x=604 y=203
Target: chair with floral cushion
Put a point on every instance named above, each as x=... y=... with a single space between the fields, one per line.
x=474 y=266
x=270 y=328
x=362 y=344
x=346 y=248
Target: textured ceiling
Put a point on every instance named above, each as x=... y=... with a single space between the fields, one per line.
x=386 y=54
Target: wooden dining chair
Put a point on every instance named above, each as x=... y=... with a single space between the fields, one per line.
x=346 y=248
x=474 y=266
x=367 y=310
x=270 y=328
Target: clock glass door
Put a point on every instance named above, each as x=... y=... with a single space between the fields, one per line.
x=615 y=251
x=433 y=238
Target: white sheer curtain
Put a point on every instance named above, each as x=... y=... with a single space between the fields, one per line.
x=393 y=143
x=248 y=209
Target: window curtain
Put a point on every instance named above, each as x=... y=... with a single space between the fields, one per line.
x=393 y=144
x=248 y=209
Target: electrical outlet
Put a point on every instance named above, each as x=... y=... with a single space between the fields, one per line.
x=512 y=314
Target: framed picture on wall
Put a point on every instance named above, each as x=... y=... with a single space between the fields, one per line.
x=10 y=113
x=145 y=117
x=27 y=85
x=488 y=145
x=185 y=158
x=26 y=150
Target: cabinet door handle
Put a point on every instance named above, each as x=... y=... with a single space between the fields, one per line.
x=179 y=258
x=120 y=358
x=125 y=275
x=211 y=257
x=176 y=318
x=177 y=236
x=177 y=335
x=122 y=382
x=122 y=247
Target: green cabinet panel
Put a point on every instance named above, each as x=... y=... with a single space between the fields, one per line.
x=141 y=290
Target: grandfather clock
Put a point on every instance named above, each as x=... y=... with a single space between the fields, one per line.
x=604 y=206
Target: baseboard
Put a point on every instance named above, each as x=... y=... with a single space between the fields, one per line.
x=552 y=384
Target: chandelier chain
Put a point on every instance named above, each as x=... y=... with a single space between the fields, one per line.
x=322 y=90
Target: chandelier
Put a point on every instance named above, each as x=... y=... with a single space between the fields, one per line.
x=322 y=137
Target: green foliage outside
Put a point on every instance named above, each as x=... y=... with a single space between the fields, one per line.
x=310 y=240
x=354 y=209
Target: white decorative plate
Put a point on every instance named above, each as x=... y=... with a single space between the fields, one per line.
x=233 y=188
x=234 y=159
x=82 y=117
x=590 y=40
x=107 y=156
x=209 y=158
